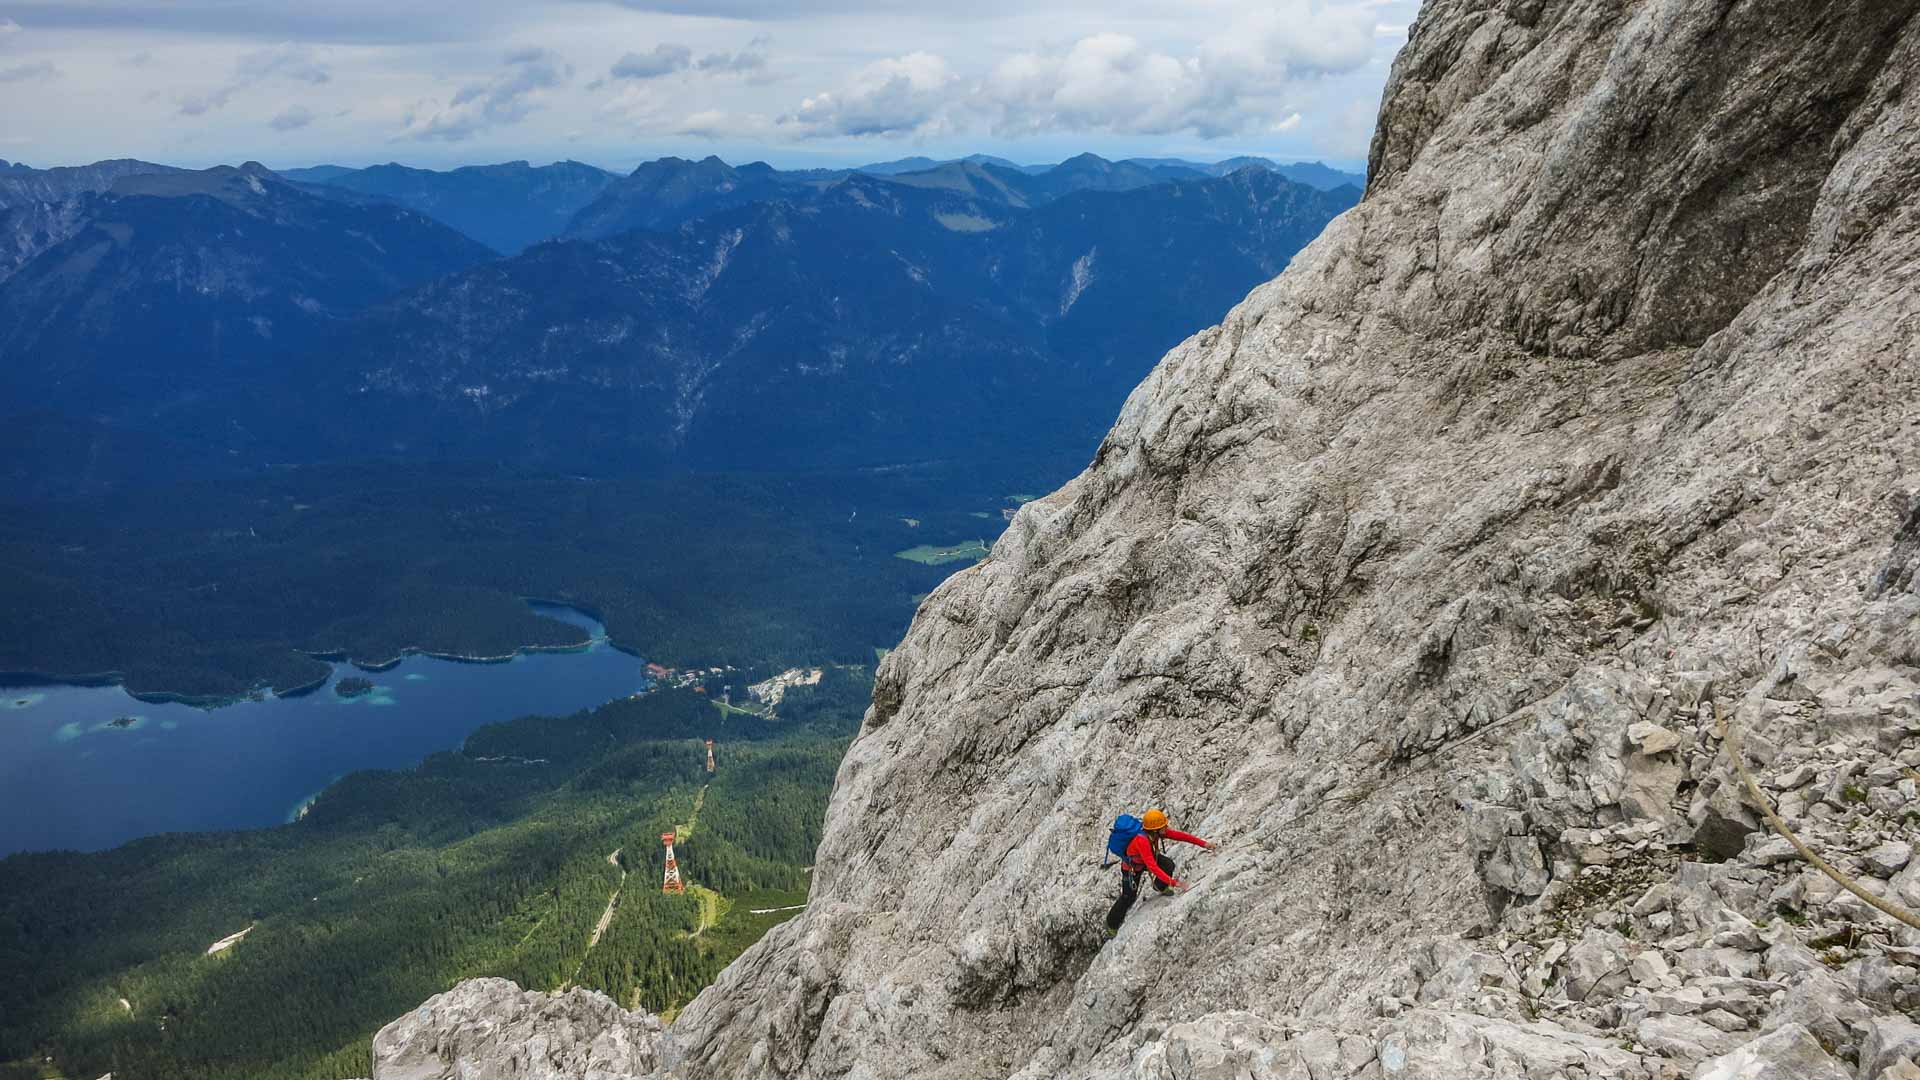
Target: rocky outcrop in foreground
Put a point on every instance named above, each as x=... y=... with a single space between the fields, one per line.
x=1434 y=583
x=489 y=1028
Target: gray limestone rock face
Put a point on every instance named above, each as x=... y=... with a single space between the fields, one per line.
x=1420 y=528
x=1598 y=412
x=490 y=1029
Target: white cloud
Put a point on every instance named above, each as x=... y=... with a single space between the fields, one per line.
x=288 y=60
x=1245 y=80
x=1240 y=81
x=292 y=118
x=1202 y=79
x=905 y=95
x=507 y=98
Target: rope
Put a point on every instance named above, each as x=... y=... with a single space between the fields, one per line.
x=1735 y=752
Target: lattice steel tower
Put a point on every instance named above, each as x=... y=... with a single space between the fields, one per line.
x=673 y=884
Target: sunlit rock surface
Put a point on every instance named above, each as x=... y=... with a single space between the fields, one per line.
x=1427 y=583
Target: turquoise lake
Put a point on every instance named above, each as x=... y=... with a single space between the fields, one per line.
x=70 y=778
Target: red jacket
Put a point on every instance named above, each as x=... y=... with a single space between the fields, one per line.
x=1140 y=853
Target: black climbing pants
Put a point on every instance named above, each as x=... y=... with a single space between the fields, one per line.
x=1130 y=891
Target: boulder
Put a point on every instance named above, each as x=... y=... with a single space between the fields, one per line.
x=1817 y=1001
x=1428 y=1045
x=1797 y=777
x=1649 y=738
x=1684 y=1037
x=1647 y=789
x=1789 y=1053
x=1722 y=821
x=1597 y=963
x=1903 y=1069
x=1236 y=1046
x=1888 y=859
x=1649 y=968
x=1888 y=1039
x=1766 y=849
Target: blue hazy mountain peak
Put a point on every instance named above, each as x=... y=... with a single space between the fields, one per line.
x=508 y=206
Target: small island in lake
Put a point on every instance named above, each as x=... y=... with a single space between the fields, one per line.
x=123 y=721
x=353 y=686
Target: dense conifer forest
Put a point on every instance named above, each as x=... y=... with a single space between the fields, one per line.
x=214 y=587
x=497 y=859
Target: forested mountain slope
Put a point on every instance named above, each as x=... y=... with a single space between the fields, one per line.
x=878 y=323
x=498 y=858
x=663 y=194
x=1445 y=583
x=667 y=192
x=182 y=284
x=41 y=207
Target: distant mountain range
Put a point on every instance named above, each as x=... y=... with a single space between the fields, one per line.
x=694 y=315
x=881 y=321
x=510 y=207
x=1311 y=173
x=176 y=283
x=664 y=193
x=41 y=207
x=506 y=207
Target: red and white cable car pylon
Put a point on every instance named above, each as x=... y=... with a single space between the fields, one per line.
x=673 y=884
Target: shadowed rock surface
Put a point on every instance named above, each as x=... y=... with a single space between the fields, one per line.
x=1428 y=583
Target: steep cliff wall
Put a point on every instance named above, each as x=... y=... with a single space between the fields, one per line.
x=1417 y=583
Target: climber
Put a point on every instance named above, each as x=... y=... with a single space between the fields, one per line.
x=1136 y=840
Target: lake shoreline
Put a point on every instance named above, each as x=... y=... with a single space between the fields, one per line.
x=209 y=702
x=342 y=656
x=240 y=769
x=24 y=679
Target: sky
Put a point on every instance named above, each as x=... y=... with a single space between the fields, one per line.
x=441 y=83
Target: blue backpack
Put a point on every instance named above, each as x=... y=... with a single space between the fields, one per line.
x=1125 y=828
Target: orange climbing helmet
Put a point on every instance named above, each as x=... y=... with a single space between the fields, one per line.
x=1154 y=820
